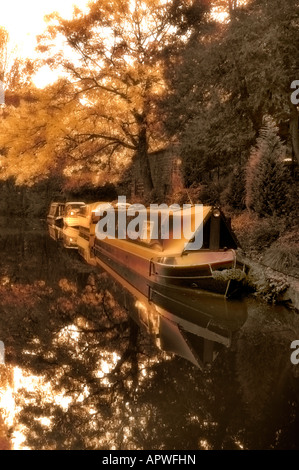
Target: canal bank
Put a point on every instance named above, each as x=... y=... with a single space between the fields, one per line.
x=271 y=285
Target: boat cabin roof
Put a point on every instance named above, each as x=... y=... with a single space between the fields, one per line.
x=88 y=209
x=74 y=204
x=56 y=209
x=56 y=204
x=204 y=225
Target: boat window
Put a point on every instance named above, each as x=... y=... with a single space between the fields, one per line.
x=56 y=210
x=83 y=211
x=69 y=211
x=146 y=232
x=72 y=210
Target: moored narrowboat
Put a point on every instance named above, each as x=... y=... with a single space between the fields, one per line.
x=155 y=264
x=182 y=293
x=71 y=212
x=70 y=237
x=84 y=250
x=86 y=226
x=196 y=334
x=87 y=221
x=56 y=214
x=55 y=232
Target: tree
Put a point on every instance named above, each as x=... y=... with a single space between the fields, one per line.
x=226 y=81
x=14 y=72
x=15 y=77
x=227 y=7
x=234 y=195
x=39 y=140
x=105 y=113
x=30 y=135
x=117 y=74
x=212 y=131
x=269 y=186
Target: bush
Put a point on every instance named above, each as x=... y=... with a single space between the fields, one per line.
x=234 y=195
x=270 y=188
x=208 y=194
x=254 y=233
x=185 y=196
x=283 y=255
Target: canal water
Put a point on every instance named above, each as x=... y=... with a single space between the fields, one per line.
x=80 y=373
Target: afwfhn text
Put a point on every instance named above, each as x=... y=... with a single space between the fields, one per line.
x=155 y=459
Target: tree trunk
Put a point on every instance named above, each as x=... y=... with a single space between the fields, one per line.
x=144 y=171
x=294 y=131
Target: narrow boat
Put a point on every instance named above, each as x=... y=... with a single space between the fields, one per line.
x=87 y=225
x=56 y=214
x=172 y=263
x=197 y=336
x=87 y=221
x=55 y=232
x=184 y=297
x=70 y=237
x=71 y=212
x=84 y=250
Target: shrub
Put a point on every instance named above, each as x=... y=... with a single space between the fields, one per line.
x=183 y=195
x=283 y=255
x=270 y=188
x=234 y=195
x=210 y=193
x=254 y=233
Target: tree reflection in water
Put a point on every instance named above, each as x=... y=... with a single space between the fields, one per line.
x=98 y=382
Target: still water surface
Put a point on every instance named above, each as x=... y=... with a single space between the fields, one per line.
x=80 y=374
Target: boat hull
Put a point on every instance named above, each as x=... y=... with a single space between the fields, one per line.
x=71 y=221
x=180 y=299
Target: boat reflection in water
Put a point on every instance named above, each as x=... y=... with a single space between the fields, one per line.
x=67 y=235
x=162 y=293
x=55 y=232
x=70 y=237
x=196 y=335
